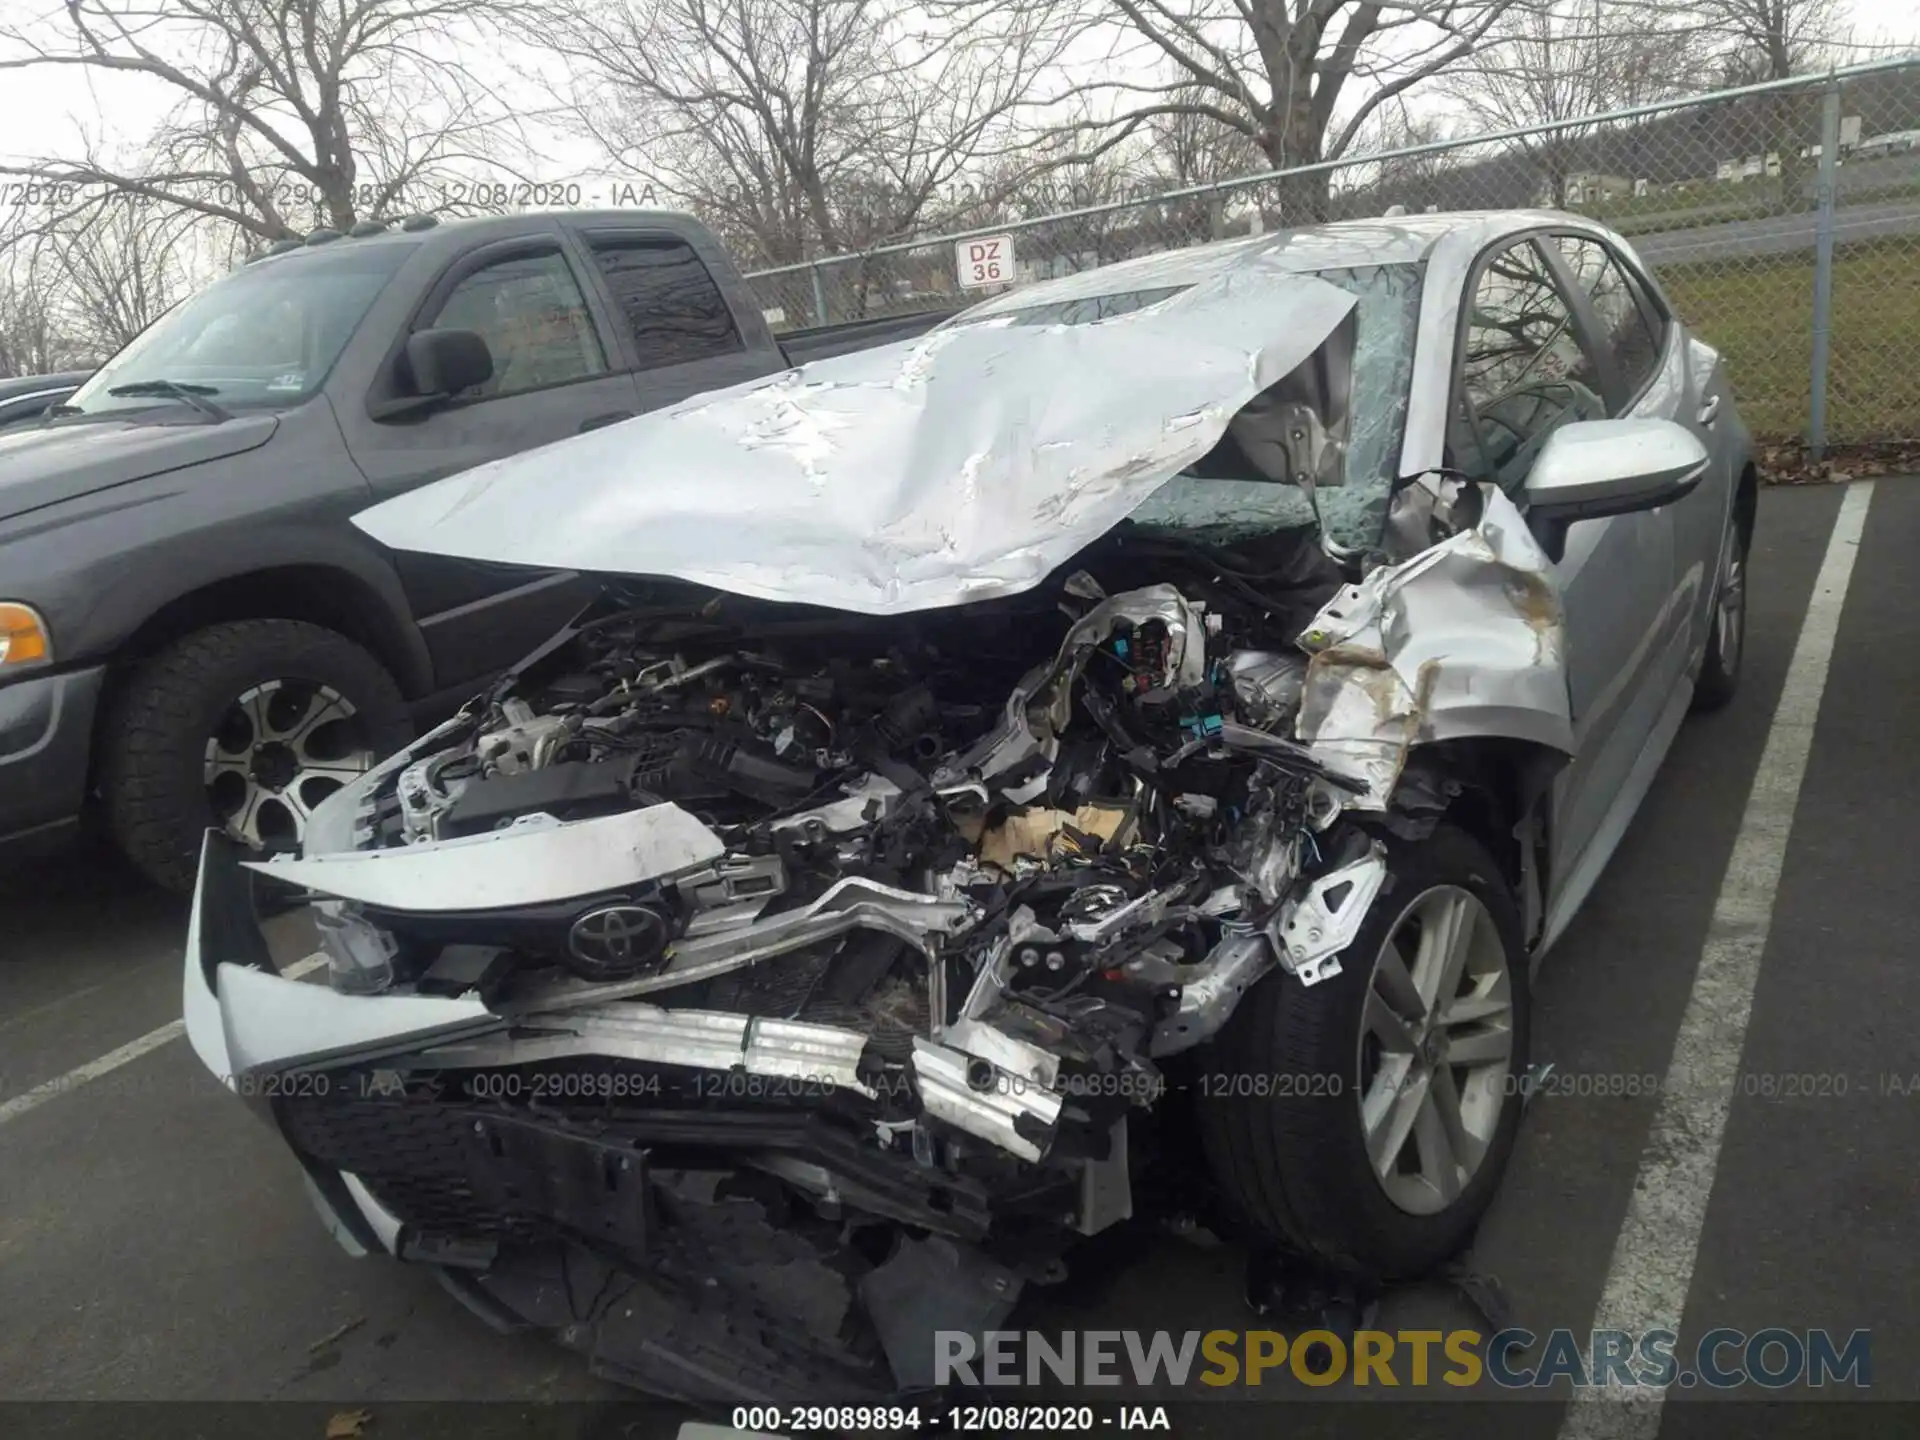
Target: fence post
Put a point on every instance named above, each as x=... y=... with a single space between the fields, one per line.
x=1823 y=191
x=819 y=294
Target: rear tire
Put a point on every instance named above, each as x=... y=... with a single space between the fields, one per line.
x=1283 y=1096
x=243 y=727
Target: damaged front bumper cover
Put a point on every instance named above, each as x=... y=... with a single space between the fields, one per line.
x=246 y=1021
x=518 y=1207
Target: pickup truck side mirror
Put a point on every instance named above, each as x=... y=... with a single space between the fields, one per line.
x=1591 y=468
x=445 y=362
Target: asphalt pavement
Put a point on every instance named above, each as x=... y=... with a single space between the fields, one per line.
x=155 y=1243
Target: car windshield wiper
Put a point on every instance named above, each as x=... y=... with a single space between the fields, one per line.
x=175 y=390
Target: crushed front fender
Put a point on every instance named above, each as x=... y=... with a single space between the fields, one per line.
x=1466 y=639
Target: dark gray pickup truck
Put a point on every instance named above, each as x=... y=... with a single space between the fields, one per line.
x=191 y=631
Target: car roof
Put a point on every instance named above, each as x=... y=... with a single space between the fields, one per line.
x=1338 y=245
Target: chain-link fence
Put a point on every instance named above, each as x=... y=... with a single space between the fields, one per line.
x=1783 y=218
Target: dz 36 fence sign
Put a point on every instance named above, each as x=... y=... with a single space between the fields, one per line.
x=985 y=262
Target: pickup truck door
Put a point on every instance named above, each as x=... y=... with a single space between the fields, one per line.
x=557 y=371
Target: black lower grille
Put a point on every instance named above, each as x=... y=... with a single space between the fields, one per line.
x=492 y=1172
x=440 y=1168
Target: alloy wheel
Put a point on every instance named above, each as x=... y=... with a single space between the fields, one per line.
x=1730 y=615
x=1435 y=1049
x=279 y=750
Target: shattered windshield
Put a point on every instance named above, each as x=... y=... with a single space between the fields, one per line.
x=1354 y=510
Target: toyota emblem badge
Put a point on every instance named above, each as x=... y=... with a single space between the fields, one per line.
x=617 y=941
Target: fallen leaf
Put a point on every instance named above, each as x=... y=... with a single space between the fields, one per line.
x=347 y=1424
x=1786 y=462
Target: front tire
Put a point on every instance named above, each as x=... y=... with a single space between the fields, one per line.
x=1727 y=639
x=1364 y=1122
x=243 y=727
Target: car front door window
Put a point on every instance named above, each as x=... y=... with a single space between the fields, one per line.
x=1524 y=369
x=534 y=319
x=1617 y=313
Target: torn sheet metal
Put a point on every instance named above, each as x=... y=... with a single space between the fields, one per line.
x=966 y=464
x=1466 y=639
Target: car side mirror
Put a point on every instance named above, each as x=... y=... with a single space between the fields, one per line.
x=1590 y=468
x=445 y=362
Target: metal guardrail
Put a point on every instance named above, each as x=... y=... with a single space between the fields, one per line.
x=1786 y=228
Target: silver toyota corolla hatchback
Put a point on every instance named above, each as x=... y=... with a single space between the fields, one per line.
x=1122 y=753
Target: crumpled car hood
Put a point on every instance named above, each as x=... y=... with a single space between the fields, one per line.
x=967 y=464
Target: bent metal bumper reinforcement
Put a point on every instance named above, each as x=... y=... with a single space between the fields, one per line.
x=700 y=1040
x=851 y=904
x=978 y=1097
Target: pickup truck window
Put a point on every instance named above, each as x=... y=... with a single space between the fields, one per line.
x=534 y=320
x=266 y=335
x=674 y=309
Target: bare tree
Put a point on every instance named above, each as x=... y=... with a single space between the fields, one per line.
x=112 y=270
x=1297 y=79
x=804 y=127
x=1411 y=180
x=281 y=105
x=1189 y=147
x=1185 y=148
x=1103 y=185
x=30 y=338
x=1775 y=40
x=1559 y=60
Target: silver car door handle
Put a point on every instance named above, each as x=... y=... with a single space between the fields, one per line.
x=1710 y=410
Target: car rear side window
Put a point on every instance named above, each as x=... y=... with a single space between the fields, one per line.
x=674 y=311
x=534 y=319
x=1617 y=310
x=1524 y=371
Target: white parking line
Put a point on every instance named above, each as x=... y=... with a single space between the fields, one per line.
x=81 y=1075
x=1659 y=1241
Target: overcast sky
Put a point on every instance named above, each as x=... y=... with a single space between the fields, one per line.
x=48 y=110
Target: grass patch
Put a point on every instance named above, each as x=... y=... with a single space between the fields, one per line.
x=1759 y=314
x=1703 y=203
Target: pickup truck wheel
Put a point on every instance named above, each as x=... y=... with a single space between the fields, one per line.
x=244 y=727
x=1364 y=1122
